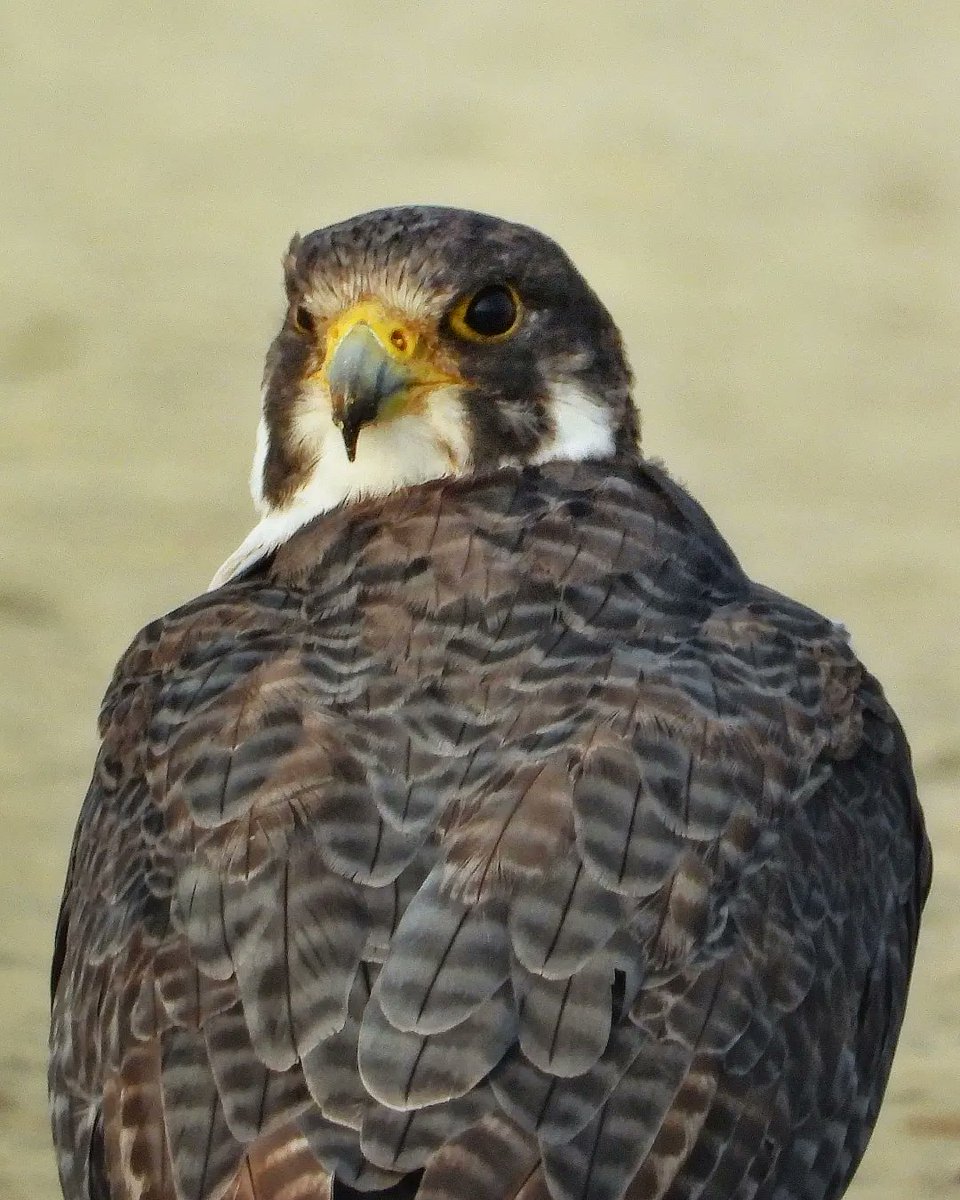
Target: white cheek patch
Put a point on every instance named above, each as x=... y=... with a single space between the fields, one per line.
x=582 y=427
x=259 y=466
x=409 y=449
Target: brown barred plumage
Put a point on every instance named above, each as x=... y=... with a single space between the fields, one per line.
x=329 y=873
x=501 y=830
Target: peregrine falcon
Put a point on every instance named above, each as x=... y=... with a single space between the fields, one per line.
x=484 y=833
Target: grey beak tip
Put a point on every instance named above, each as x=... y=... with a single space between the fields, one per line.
x=362 y=375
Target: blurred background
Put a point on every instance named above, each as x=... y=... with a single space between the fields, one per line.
x=766 y=195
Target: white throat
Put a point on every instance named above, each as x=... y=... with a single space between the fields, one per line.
x=404 y=451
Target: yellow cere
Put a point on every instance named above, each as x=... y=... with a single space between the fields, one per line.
x=396 y=336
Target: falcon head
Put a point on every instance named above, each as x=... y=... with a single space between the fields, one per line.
x=423 y=342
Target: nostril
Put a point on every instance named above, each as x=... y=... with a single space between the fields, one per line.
x=399 y=339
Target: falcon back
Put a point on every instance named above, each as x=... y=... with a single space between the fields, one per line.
x=485 y=832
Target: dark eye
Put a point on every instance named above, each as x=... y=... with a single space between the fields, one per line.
x=489 y=314
x=304 y=319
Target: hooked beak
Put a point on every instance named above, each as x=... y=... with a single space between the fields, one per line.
x=372 y=363
x=361 y=376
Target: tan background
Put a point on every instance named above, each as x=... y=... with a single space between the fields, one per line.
x=768 y=197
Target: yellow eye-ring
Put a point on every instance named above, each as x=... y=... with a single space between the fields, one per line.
x=488 y=315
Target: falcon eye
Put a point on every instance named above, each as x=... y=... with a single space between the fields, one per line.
x=489 y=315
x=304 y=319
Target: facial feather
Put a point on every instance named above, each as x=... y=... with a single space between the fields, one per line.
x=556 y=386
